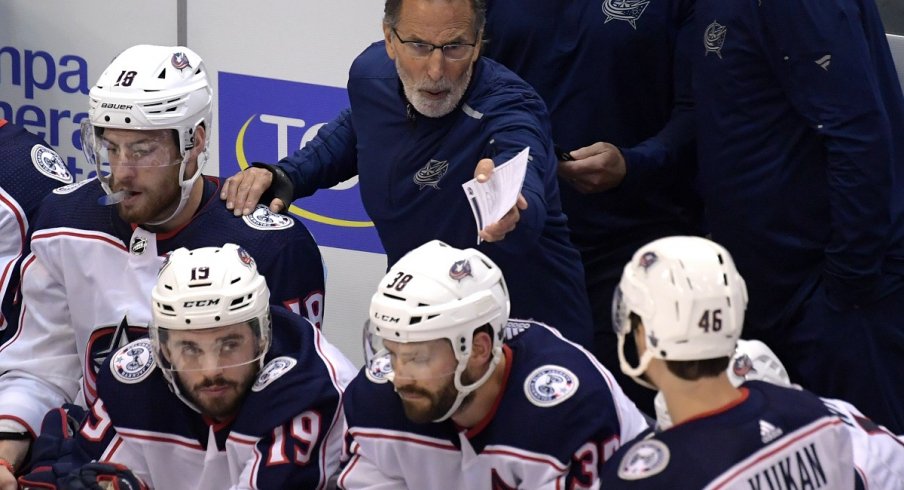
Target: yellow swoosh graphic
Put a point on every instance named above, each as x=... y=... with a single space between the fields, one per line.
x=304 y=213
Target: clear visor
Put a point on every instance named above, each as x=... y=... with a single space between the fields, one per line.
x=148 y=149
x=620 y=321
x=411 y=362
x=211 y=348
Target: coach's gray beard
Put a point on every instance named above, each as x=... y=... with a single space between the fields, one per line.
x=434 y=108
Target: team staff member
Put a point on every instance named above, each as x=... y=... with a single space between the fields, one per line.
x=426 y=108
x=616 y=78
x=802 y=168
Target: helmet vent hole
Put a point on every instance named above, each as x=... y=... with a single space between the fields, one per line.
x=725 y=278
x=200 y=285
x=162 y=74
x=397 y=298
x=187 y=321
x=107 y=118
x=397 y=334
x=128 y=120
x=216 y=318
x=414 y=320
x=432 y=316
x=721 y=259
x=237 y=279
x=168 y=287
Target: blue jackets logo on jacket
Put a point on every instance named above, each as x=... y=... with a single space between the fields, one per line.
x=626 y=10
x=431 y=174
x=714 y=38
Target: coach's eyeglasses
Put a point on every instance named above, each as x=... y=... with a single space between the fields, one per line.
x=451 y=51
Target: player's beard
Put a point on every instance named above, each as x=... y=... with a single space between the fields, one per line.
x=222 y=407
x=437 y=404
x=155 y=202
x=432 y=107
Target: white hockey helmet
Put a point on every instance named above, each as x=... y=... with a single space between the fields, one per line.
x=689 y=297
x=436 y=292
x=151 y=87
x=754 y=360
x=206 y=289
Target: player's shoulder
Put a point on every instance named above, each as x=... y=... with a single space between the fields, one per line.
x=131 y=381
x=73 y=205
x=29 y=159
x=295 y=377
x=372 y=63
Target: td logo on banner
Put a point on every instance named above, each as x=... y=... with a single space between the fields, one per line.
x=264 y=119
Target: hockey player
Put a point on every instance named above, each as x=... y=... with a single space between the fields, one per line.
x=216 y=398
x=681 y=303
x=448 y=402
x=30 y=170
x=426 y=109
x=878 y=454
x=97 y=247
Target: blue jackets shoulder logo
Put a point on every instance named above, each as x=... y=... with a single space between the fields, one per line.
x=431 y=174
x=626 y=10
x=714 y=38
x=49 y=163
x=263 y=219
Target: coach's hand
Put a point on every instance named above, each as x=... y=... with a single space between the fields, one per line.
x=243 y=190
x=497 y=231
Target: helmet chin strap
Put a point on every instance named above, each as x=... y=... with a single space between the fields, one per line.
x=635 y=372
x=185 y=185
x=464 y=391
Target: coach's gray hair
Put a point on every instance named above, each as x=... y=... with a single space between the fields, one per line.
x=392 y=8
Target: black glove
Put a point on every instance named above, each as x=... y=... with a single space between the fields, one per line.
x=101 y=476
x=280 y=188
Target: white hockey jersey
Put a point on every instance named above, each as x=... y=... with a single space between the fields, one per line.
x=87 y=289
x=558 y=417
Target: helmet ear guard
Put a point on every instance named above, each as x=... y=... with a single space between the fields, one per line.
x=690 y=299
x=440 y=292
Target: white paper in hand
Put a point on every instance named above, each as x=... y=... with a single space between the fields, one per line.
x=492 y=199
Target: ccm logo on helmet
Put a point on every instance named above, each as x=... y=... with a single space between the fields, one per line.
x=386 y=318
x=200 y=302
x=123 y=107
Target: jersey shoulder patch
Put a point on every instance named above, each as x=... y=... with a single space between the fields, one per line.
x=645 y=459
x=134 y=362
x=68 y=189
x=273 y=371
x=378 y=369
x=264 y=219
x=49 y=163
x=550 y=385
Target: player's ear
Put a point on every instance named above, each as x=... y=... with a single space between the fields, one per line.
x=482 y=347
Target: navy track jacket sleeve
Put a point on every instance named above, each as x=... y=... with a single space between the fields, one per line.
x=822 y=55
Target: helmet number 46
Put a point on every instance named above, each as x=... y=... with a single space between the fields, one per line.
x=711 y=321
